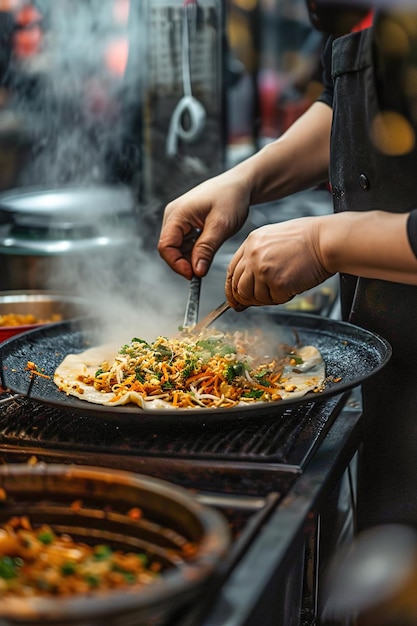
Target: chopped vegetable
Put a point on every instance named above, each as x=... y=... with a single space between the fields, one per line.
x=38 y=561
x=216 y=370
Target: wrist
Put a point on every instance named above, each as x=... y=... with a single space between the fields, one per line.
x=372 y=244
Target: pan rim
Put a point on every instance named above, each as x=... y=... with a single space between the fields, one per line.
x=300 y=321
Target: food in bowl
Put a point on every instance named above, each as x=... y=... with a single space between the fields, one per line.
x=21 y=311
x=111 y=516
x=28 y=319
x=35 y=560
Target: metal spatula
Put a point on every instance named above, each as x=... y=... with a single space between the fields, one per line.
x=210 y=318
x=192 y=306
x=193 y=303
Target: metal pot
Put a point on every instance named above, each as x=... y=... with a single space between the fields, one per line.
x=41 y=304
x=54 y=238
x=171 y=518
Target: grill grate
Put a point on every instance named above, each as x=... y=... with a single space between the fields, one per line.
x=285 y=438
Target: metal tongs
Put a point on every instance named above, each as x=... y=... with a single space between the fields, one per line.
x=193 y=300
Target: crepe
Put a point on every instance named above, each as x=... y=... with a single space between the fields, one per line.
x=239 y=379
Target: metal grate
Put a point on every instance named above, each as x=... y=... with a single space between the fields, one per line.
x=286 y=438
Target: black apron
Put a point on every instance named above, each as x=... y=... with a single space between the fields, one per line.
x=362 y=178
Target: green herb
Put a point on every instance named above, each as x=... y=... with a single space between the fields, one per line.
x=253 y=393
x=261 y=374
x=68 y=568
x=8 y=568
x=129 y=578
x=215 y=346
x=46 y=537
x=295 y=357
x=233 y=370
x=102 y=552
x=92 y=579
x=143 y=558
x=189 y=368
x=163 y=351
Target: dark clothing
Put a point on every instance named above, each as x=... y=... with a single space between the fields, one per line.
x=412 y=230
x=363 y=178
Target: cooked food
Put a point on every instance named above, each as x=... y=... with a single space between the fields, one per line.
x=27 y=319
x=214 y=370
x=35 y=561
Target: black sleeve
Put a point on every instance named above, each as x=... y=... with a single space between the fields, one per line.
x=412 y=230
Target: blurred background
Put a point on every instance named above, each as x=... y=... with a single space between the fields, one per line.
x=144 y=99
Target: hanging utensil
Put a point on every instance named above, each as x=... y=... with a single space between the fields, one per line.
x=188 y=107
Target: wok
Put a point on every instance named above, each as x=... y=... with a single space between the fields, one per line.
x=352 y=354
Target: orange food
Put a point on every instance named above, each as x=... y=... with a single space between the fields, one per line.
x=18 y=319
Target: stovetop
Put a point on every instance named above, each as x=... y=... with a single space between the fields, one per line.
x=245 y=468
x=237 y=457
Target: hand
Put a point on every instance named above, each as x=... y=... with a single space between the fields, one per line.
x=218 y=208
x=275 y=263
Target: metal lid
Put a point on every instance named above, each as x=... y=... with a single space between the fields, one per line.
x=66 y=207
x=57 y=221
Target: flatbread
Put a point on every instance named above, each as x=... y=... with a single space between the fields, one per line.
x=308 y=374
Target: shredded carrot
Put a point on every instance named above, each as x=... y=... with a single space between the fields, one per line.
x=34 y=370
x=215 y=369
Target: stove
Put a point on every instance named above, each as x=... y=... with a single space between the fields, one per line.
x=274 y=479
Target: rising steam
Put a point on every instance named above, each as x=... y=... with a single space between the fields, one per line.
x=82 y=107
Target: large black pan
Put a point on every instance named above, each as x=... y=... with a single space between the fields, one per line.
x=351 y=354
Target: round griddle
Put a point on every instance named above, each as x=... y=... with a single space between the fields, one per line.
x=351 y=354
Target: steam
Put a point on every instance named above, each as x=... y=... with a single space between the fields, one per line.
x=80 y=98
x=80 y=95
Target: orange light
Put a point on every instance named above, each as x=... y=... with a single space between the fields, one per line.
x=116 y=56
x=27 y=15
x=9 y=5
x=27 y=42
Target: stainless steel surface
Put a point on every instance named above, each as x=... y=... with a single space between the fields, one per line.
x=211 y=317
x=66 y=207
x=43 y=305
x=55 y=238
x=193 y=303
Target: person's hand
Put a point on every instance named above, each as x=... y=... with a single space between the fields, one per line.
x=217 y=208
x=275 y=263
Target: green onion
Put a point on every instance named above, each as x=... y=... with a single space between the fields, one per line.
x=46 y=537
x=69 y=568
x=253 y=393
x=7 y=568
x=102 y=552
x=92 y=579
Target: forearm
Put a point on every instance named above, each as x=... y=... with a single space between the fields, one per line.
x=372 y=244
x=298 y=160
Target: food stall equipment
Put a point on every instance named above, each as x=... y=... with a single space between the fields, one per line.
x=274 y=475
x=54 y=238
